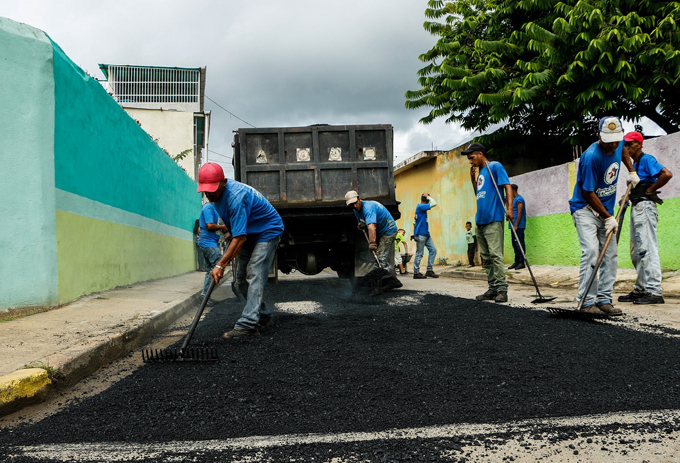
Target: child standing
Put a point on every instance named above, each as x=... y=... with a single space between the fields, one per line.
x=471 y=239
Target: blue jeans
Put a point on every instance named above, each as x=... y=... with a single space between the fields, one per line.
x=211 y=256
x=201 y=259
x=519 y=259
x=644 y=248
x=252 y=271
x=591 y=237
x=423 y=242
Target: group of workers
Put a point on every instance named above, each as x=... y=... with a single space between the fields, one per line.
x=253 y=227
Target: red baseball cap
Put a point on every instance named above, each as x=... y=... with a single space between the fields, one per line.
x=634 y=136
x=209 y=177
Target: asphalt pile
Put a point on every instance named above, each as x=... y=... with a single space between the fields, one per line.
x=398 y=360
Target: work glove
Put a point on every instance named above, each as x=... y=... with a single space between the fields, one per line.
x=632 y=179
x=610 y=224
x=361 y=225
x=373 y=247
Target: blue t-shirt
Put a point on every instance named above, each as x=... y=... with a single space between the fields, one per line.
x=374 y=212
x=421 y=226
x=208 y=239
x=598 y=172
x=246 y=212
x=523 y=221
x=648 y=168
x=489 y=207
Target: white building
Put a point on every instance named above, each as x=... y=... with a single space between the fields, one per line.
x=168 y=104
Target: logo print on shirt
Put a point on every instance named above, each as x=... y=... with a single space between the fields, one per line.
x=480 y=182
x=612 y=173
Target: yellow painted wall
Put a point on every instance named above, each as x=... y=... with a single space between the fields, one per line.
x=447 y=178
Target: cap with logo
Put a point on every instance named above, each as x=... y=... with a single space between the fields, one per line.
x=474 y=147
x=611 y=130
x=351 y=197
x=209 y=177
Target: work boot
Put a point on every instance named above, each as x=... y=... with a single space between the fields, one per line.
x=489 y=295
x=520 y=266
x=512 y=266
x=418 y=276
x=265 y=320
x=431 y=274
x=632 y=296
x=502 y=296
x=592 y=309
x=240 y=334
x=649 y=299
x=610 y=310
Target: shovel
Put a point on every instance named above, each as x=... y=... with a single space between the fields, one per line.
x=540 y=299
x=578 y=313
x=379 y=274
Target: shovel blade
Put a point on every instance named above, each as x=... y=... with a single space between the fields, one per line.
x=541 y=300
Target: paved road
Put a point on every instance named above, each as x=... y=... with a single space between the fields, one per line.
x=421 y=374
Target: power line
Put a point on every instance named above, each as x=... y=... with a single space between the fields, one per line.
x=215 y=152
x=228 y=111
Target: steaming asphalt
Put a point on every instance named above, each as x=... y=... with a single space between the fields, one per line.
x=405 y=376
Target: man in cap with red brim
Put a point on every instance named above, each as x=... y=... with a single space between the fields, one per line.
x=256 y=229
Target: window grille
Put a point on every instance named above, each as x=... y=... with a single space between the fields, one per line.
x=138 y=84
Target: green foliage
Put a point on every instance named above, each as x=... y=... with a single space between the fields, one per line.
x=550 y=68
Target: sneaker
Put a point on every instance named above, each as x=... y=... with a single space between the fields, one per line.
x=512 y=266
x=520 y=266
x=502 y=296
x=649 y=299
x=431 y=274
x=240 y=334
x=610 y=310
x=632 y=296
x=471 y=265
x=419 y=276
x=490 y=295
x=592 y=309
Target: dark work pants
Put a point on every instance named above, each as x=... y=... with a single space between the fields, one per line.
x=472 y=248
x=518 y=253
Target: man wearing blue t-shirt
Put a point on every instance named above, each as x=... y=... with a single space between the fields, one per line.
x=644 y=216
x=256 y=229
x=493 y=206
x=592 y=210
x=381 y=227
x=208 y=240
x=421 y=233
x=520 y=223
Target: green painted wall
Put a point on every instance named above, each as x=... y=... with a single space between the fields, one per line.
x=125 y=210
x=552 y=239
x=28 y=253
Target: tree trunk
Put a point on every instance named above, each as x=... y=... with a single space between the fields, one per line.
x=658 y=119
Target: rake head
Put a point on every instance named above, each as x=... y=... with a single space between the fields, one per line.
x=576 y=314
x=174 y=354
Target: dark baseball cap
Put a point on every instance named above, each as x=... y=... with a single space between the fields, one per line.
x=475 y=147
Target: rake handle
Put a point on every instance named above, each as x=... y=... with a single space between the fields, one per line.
x=197 y=317
x=514 y=232
x=604 y=249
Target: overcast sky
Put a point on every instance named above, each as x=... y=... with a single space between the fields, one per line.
x=273 y=63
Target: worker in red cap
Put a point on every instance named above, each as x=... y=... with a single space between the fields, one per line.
x=256 y=229
x=644 y=216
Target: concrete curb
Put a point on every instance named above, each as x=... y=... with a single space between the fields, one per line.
x=33 y=385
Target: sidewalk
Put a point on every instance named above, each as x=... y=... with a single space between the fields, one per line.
x=561 y=277
x=71 y=342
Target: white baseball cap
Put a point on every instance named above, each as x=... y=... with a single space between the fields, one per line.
x=351 y=197
x=610 y=129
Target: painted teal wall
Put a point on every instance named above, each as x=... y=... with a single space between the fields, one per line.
x=28 y=252
x=90 y=202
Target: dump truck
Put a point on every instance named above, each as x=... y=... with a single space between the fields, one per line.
x=304 y=172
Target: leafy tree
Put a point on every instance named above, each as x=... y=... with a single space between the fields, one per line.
x=548 y=70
